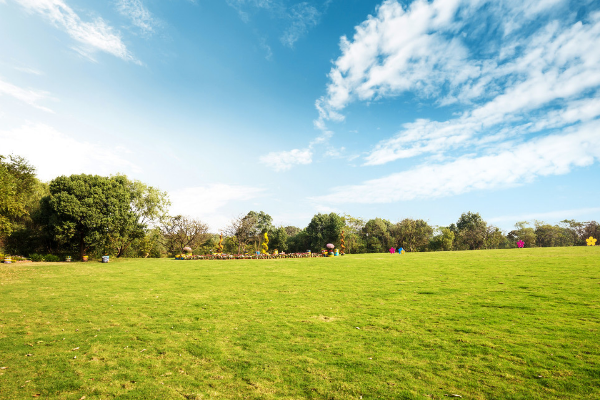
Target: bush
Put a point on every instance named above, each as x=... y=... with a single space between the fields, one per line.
x=36 y=257
x=51 y=258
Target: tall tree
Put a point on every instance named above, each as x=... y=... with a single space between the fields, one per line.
x=353 y=234
x=412 y=234
x=376 y=234
x=278 y=239
x=17 y=183
x=470 y=231
x=148 y=207
x=523 y=232
x=244 y=229
x=323 y=229
x=82 y=210
x=180 y=232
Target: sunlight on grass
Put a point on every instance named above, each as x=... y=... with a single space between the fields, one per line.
x=510 y=324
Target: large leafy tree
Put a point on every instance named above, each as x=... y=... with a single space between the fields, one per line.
x=412 y=234
x=376 y=234
x=17 y=184
x=148 y=206
x=323 y=229
x=470 y=231
x=83 y=212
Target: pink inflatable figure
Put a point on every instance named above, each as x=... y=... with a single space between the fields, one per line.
x=392 y=250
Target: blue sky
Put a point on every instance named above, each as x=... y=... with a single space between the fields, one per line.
x=422 y=109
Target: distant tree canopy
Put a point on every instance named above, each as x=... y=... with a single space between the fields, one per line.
x=91 y=214
x=17 y=185
x=323 y=229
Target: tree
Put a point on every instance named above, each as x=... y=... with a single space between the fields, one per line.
x=82 y=210
x=148 y=207
x=523 y=232
x=412 y=234
x=494 y=238
x=179 y=232
x=323 y=229
x=279 y=239
x=17 y=183
x=243 y=229
x=376 y=234
x=470 y=231
x=444 y=240
x=353 y=234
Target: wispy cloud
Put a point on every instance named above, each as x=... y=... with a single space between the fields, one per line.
x=96 y=35
x=46 y=148
x=550 y=155
x=31 y=71
x=28 y=96
x=284 y=160
x=139 y=15
x=302 y=16
x=206 y=202
x=299 y=17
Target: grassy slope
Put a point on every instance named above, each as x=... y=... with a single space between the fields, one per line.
x=510 y=324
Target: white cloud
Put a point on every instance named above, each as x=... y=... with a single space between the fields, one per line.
x=31 y=71
x=416 y=49
x=138 y=13
x=205 y=202
x=303 y=16
x=54 y=153
x=550 y=155
x=96 y=35
x=28 y=96
x=284 y=160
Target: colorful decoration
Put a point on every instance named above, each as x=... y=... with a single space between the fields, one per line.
x=330 y=247
x=265 y=244
x=68 y=259
x=591 y=241
x=392 y=250
x=220 y=247
x=520 y=244
x=401 y=250
x=85 y=258
x=342 y=245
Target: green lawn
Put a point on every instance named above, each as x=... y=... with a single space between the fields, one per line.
x=496 y=324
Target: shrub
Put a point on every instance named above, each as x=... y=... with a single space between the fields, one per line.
x=51 y=258
x=36 y=257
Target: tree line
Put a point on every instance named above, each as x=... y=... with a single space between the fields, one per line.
x=96 y=215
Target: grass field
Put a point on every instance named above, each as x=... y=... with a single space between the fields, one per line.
x=496 y=324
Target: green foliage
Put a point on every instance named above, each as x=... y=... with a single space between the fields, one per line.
x=88 y=212
x=17 y=184
x=470 y=232
x=443 y=241
x=179 y=232
x=412 y=234
x=298 y=243
x=47 y=258
x=36 y=257
x=376 y=234
x=353 y=234
x=523 y=232
x=323 y=229
x=278 y=239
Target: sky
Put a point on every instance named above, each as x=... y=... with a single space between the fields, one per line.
x=393 y=109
